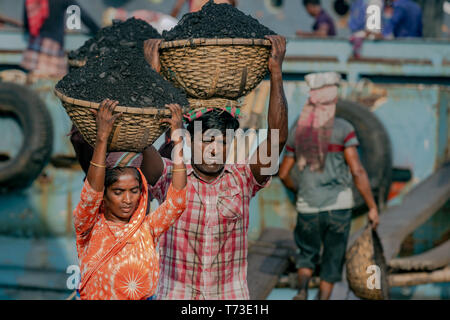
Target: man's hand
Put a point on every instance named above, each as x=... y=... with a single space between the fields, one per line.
x=374 y=218
x=277 y=55
x=151 y=53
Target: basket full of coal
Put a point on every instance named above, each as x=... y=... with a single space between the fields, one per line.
x=217 y=52
x=119 y=34
x=123 y=75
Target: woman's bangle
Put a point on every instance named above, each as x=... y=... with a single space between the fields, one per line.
x=175 y=170
x=97 y=165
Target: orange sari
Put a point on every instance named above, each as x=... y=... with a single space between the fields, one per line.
x=120 y=261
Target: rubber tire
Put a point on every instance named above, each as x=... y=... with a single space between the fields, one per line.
x=374 y=149
x=36 y=124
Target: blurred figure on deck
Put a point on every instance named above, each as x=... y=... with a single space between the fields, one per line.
x=323 y=25
x=406 y=19
x=357 y=24
x=323 y=150
x=44 y=20
x=196 y=5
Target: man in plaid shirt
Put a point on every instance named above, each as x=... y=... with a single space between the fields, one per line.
x=204 y=254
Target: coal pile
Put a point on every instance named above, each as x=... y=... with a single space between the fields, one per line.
x=217 y=21
x=123 y=75
x=120 y=33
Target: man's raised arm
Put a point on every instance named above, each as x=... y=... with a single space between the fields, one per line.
x=277 y=114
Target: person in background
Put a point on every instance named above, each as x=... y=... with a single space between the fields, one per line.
x=406 y=20
x=357 y=24
x=323 y=25
x=357 y=20
x=45 y=23
x=323 y=148
x=196 y=5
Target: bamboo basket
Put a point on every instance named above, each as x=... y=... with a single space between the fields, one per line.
x=215 y=68
x=212 y=103
x=135 y=130
x=367 y=251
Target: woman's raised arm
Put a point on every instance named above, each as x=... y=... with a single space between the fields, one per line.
x=105 y=121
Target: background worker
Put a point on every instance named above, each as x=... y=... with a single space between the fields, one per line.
x=323 y=25
x=45 y=23
x=324 y=150
x=406 y=20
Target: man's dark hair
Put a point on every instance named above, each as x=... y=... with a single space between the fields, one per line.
x=216 y=119
x=306 y=2
x=112 y=175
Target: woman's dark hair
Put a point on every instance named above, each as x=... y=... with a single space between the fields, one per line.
x=112 y=175
x=216 y=119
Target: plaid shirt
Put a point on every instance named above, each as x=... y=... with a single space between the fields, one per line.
x=204 y=254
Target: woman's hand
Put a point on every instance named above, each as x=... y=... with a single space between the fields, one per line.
x=176 y=121
x=151 y=53
x=105 y=118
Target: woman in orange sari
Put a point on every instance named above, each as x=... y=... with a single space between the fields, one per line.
x=116 y=235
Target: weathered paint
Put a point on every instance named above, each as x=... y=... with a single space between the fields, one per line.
x=44 y=209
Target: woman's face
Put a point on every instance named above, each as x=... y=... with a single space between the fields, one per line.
x=122 y=198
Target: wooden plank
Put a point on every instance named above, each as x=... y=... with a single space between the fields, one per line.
x=416 y=278
x=399 y=221
x=268 y=258
x=430 y=260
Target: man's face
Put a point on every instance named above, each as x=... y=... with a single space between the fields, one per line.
x=311 y=9
x=209 y=152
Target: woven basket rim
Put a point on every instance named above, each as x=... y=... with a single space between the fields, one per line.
x=124 y=109
x=194 y=102
x=214 y=42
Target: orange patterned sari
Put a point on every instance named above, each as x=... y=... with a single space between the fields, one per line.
x=120 y=261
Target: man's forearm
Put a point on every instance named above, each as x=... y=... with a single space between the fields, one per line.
x=278 y=112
